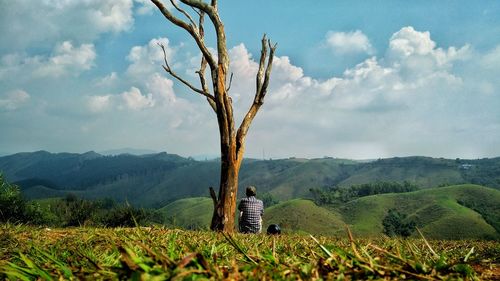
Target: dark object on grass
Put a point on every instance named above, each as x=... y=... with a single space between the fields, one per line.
x=273 y=229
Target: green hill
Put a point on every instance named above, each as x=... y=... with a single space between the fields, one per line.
x=454 y=212
x=304 y=216
x=422 y=171
x=189 y=213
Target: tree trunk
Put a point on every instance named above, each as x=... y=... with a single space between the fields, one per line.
x=225 y=205
x=223 y=218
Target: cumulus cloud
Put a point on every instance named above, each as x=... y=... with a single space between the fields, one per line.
x=66 y=59
x=114 y=16
x=148 y=58
x=349 y=42
x=148 y=88
x=144 y=7
x=411 y=93
x=13 y=99
x=161 y=89
x=414 y=53
x=408 y=41
x=58 y=20
x=157 y=92
x=108 y=80
x=136 y=101
x=99 y=103
x=415 y=97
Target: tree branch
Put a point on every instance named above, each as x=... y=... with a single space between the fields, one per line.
x=183 y=12
x=211 y=11
x=190 y=29
x=203 y=63
x=260 y=92
x=230 y=82
x=260 y=72
x=171 y=72
x=268 y=72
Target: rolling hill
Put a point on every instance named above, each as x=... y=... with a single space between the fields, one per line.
x=453 y=212
x=188 y=213
x=154 y=180
x=303 y=216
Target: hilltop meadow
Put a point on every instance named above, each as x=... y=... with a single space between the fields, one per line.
x=157 y=253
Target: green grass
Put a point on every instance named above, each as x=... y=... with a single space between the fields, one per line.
x=164 y=254
x=189 y=213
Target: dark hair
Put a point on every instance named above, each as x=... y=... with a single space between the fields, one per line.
x=251 y=191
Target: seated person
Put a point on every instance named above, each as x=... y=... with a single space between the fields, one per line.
x=251 y=211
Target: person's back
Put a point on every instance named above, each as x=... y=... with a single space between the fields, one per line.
x=251 y=211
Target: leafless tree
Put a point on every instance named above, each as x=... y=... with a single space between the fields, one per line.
x=232 y=141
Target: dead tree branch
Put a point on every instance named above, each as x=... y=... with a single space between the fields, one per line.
x=169 y=70
x=190 y=29
x=230 y=83
x=262 y=82
x=183 y=12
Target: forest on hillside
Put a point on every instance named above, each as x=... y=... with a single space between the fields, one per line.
x=155 y=180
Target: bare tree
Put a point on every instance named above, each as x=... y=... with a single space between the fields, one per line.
x=232 y=141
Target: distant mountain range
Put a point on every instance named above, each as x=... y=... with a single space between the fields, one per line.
x=132 y=151
x=154 y=180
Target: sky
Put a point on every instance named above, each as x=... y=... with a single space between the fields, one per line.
x=351 y=79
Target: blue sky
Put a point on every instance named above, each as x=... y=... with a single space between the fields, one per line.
x=352 y=79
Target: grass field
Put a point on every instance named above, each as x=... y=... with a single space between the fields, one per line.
x=158 y=254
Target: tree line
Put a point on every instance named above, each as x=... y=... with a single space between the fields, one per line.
x=337 y=194
x=70 y=211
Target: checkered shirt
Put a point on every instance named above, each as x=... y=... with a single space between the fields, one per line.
x=252 y=210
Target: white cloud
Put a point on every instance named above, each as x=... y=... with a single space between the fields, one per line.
x=148 y=88
x=411 y=94
x=408 y=41
x=417 y=97
x=415 y=52
x=161 y=89
x=14 y=99
x=136 y=101
x=148 y=59
x=349 y=42
x=65 y=60
x=244 y=67
x=491 y=60
x=242 y=63
x=114 y=16
x=145 y=7
x=108 y=80
x=99 y=103
x=43 y=22
x=160 y=93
